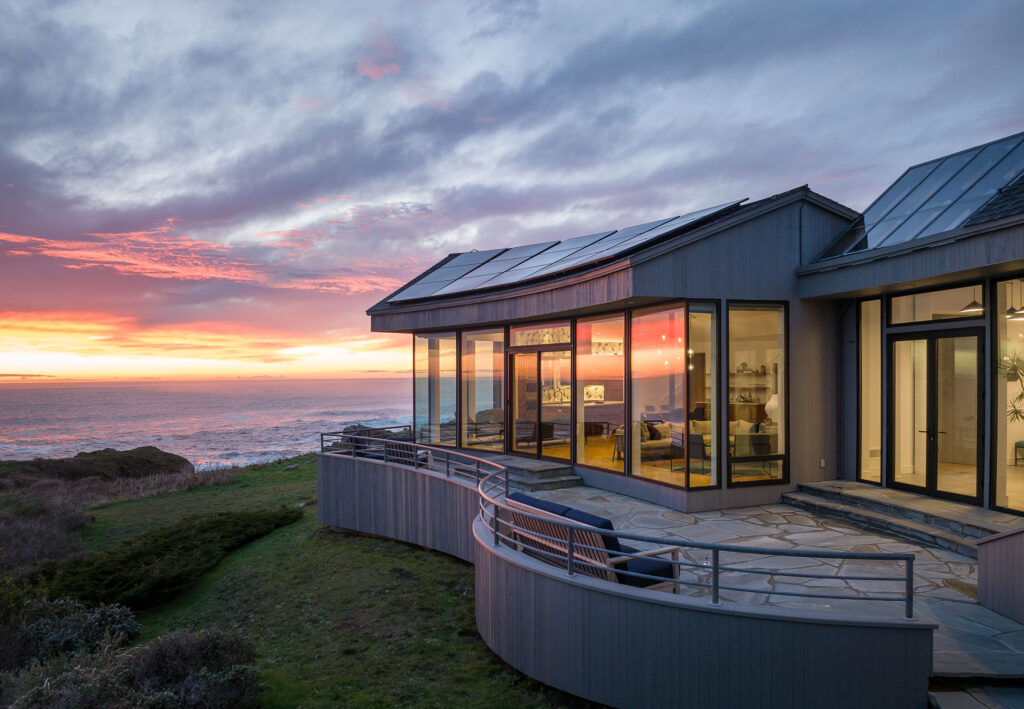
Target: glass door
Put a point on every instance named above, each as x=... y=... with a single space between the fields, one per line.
x=936 y=414
x=556 y=403
x=541 y=402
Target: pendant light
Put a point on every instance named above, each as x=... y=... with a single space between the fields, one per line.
x=1011 y=311
x=973 y=307
x=1019 y=315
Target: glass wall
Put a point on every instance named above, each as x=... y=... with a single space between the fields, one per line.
x=871 y=391
x=600 y=391
x=757 y=393
x=483 y=389
x=702 y=386
x=658 y=367
x=965 y=302
x=1008 y=426
x=434 y=388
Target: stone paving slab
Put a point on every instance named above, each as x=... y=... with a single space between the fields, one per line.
x=971 y=641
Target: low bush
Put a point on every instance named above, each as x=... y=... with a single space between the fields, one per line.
x=196 y=668
x=66 y=626
x=33 y=530
x=182 y=669
x=159 y=564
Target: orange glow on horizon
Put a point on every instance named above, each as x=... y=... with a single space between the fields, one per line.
x=94 y=346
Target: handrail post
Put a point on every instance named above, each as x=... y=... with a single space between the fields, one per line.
x=714 y=578
x=447 y=464
x=506 y=483
x=909 y=611
x=478 y=469
x=571 y=551
x=494 y=525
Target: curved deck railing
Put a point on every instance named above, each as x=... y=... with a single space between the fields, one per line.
x=569 y=551
x=395 y=445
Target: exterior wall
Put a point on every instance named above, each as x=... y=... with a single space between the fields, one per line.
x=755 y=261
x=1001 y=574
x=625 y=648
x=922 y=263
x=397 y=502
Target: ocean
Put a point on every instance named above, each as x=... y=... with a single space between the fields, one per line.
x=213 y=424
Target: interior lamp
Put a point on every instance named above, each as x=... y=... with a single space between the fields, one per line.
x=771 y=407
x=973 y=307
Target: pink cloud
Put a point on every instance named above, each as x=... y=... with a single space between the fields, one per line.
x=381 y=61
x=158 y=253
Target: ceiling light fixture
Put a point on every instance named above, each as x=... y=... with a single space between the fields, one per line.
x=973 y=307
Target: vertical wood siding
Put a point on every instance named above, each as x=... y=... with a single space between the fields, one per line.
x=622 y=646
x=1001 y=573
x=397 y=502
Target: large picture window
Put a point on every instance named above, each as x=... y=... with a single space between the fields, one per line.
x=1008 y=426
x=434 y=388
x=600 y=391
x=672 y=364
x=757 y=393
x=483 y=389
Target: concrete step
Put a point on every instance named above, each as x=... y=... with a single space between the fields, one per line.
x=534 y=484
x=955 y=517
x=890 y=524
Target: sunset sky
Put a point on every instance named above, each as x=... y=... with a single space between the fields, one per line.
x=218 y=189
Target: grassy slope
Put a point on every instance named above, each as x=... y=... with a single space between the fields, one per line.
x=337 y=619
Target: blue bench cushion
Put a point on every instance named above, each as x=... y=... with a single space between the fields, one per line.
x=546 y=505
x=650 y=567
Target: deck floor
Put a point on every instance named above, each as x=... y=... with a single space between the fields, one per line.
x=970 y=640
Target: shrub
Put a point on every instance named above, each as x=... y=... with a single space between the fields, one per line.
x=157 y=565
x=181 y=669
x=66 y=626
x=33 y=530
x=196 y=668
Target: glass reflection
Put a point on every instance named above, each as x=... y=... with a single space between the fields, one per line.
x=434 y=388
x=483 y=386
x=600 y=391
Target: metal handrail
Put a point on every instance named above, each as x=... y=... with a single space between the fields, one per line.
x=493 y=489
x=406 y=452
x=504 y=529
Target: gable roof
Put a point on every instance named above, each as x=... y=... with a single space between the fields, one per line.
x=940 y=195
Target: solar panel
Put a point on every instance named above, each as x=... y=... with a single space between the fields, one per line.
x=486 y=271
x=934 y=197
x=477 y=270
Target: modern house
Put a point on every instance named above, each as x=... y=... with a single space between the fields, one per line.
x=713 y=360
x=718 y=358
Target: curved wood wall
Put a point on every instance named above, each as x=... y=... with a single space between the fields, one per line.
x=626 y=647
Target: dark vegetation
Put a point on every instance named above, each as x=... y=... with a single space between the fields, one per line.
x=43 y=502
x=334 y=619
x=107 y=464
x=156 y=565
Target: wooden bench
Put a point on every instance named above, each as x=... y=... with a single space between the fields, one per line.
x=597 y=554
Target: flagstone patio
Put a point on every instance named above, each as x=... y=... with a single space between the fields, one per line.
x=970 y=641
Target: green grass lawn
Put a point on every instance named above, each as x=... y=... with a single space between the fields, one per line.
x=337 y=619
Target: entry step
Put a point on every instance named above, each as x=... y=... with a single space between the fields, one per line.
x=955 y=517
x=890 y=524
